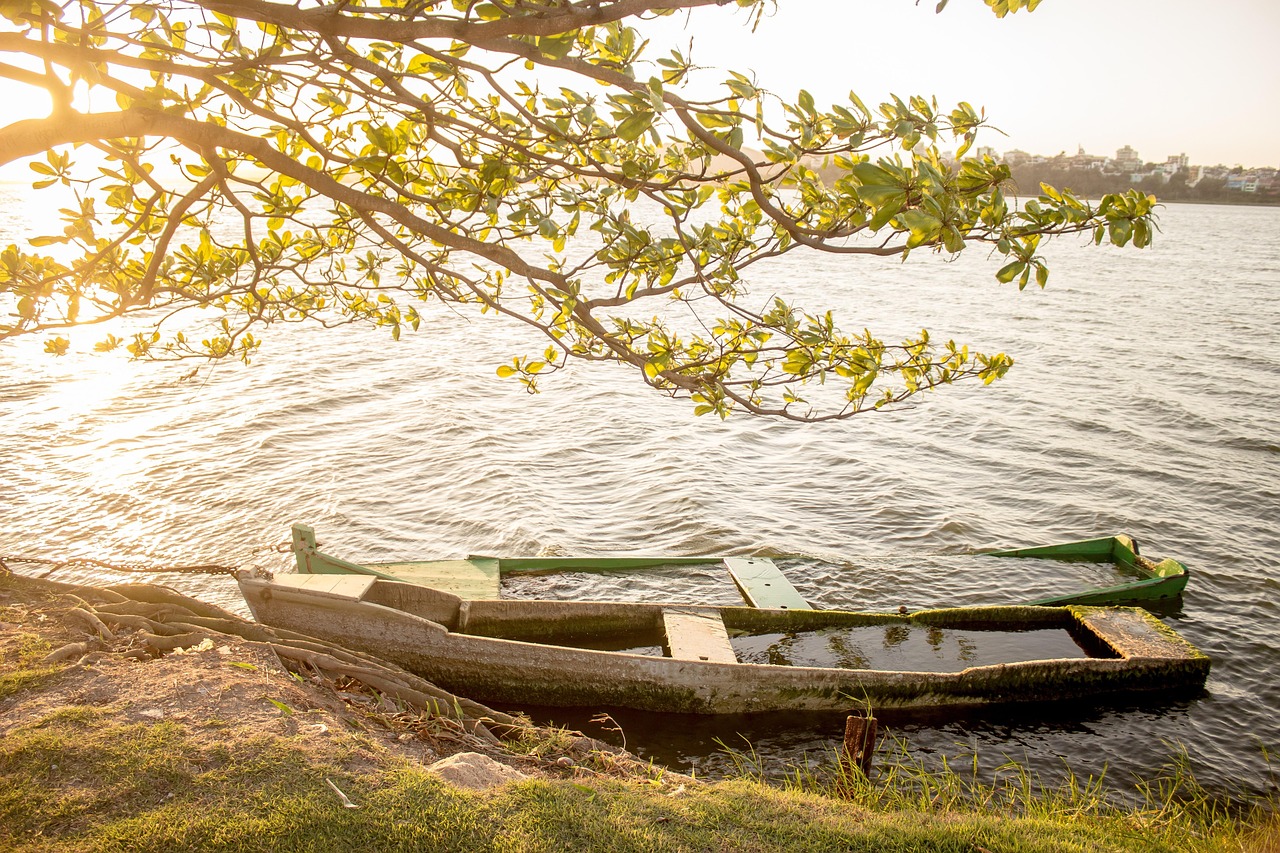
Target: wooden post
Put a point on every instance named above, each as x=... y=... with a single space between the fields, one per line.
x=859 y=744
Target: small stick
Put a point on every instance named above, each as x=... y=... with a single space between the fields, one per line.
x=346 y=802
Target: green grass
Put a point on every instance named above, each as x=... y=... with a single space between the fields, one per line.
x=77 y=780
x=80 y=777
x=25 y=670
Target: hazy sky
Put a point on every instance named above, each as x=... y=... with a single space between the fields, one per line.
x=1165 y=76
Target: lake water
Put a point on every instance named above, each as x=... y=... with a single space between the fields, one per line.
x=1144 y=400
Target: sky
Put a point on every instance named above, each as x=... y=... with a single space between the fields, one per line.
x=1164 y=76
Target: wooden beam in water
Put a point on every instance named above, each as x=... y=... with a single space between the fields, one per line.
x=763 y=584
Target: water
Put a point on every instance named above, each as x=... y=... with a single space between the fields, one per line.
x=1144 y=401
x=874 y=583
x=905 y=648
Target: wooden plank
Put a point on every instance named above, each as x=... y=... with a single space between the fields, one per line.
x=346 y=587
x=475 y=578
x=697 y=634
x=763 y=584
x=1135 y=633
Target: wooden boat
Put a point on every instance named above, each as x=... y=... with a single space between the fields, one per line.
x=714 y=660
x=576 y=653
x=758 y=579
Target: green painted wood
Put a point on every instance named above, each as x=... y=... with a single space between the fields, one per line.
x=1151 y=589
x=476 y=578
x=1162 y=580
x=697 y=633
x=763 y=584
x=757 y=578
x=521 y=565
x=1087 y=549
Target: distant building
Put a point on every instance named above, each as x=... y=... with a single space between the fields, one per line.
x=1086 y=162
x=1177 y=161
x=1016 y=157
x=985 y=151
x=1245 y=182
x=1127 y=160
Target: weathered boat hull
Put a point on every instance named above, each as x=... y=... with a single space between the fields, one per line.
x=523 y=652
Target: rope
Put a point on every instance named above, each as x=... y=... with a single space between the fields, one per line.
x=85 y=562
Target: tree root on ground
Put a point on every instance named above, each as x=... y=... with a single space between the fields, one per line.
x=150 y=621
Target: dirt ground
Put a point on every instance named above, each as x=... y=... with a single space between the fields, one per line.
x=221 y=690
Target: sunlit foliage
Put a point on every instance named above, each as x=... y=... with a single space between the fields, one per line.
x=267 y=162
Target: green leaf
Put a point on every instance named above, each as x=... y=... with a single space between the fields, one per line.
x=922 y=226
x=878 y=196
x=1120 y=231
x=1010 y=271
x=869 y=174
x=506 y=371
x=634 y=126
x=557 y=47
x=952 y=239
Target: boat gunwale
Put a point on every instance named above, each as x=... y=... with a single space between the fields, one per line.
x=1163 y=579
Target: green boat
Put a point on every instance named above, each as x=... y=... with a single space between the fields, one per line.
x=758 y=579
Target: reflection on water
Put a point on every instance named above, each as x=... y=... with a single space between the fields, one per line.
x=1143 y=401
x=905 y=648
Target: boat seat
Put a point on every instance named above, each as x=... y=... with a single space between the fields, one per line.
x=345 y=587
x=695 y=633
x=763 y=584
x=467 y=579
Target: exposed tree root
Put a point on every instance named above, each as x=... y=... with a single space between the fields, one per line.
x=151 y=621
x=70 y=650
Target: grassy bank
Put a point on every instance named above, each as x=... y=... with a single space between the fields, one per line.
x=221 y=748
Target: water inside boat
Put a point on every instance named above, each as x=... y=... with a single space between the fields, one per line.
x=905 y=648
x=865 y=584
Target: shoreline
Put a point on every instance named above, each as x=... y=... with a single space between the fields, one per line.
x=218 y=745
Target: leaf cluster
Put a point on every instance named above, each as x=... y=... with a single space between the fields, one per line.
x=269 y=163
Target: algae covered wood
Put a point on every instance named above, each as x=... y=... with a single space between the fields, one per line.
x=1129 y=634
x=697 y=633
x=763 y=584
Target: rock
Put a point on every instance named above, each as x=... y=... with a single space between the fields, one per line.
x=475 y=771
